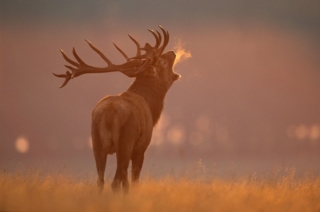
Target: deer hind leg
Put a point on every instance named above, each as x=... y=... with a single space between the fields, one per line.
x=100 y=156
x=137 y=162
x=121 y=176
x=138 y=155
x=101 y=170
x=121 y=179
x=124 y=146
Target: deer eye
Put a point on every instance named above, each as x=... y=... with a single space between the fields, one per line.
x=163 y=63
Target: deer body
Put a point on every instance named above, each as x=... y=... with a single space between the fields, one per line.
x=123 y=124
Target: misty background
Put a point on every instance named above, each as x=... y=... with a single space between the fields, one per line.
x=248 y=100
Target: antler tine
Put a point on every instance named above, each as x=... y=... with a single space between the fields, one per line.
x=165 y=41
x=137 y=44
x=77 y=57
x=122 y=52
x=67 y=77
x=150 y=51
x=68 y=59
x=100 y=53
x=156 y=37
x=160 y=38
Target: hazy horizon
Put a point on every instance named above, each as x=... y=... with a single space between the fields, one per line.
x=248 y=97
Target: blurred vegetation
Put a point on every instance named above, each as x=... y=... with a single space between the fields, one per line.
x=36 y=191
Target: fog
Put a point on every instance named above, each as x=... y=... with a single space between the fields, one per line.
x=248 y=100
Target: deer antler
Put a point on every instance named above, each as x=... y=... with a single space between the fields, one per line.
x=131 y=68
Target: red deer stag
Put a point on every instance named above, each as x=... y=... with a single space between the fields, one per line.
x=124 y=123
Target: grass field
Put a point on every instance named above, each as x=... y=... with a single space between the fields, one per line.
x=40 y=192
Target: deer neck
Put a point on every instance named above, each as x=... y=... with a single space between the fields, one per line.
x=153 y=92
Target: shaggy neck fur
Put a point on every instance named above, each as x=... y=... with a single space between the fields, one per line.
x=153 y=92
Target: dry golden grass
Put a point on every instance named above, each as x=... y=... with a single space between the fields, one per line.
x=36 y=192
